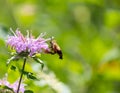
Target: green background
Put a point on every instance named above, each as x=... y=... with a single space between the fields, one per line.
x=88 y=32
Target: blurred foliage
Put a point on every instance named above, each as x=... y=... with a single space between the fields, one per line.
x=88 y=33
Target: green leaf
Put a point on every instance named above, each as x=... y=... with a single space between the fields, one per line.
x=13 y=68
x=31 y=76
x=28 y=91
x=5 y=89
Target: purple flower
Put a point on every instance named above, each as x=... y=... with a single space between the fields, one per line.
x=27 y=43
x=13 y=86
x=4 y=82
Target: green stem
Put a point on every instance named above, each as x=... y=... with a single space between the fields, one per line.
x=21 y=75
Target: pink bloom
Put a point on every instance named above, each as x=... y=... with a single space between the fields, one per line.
x=13 y=86
x=27 y=43
x=4 y=82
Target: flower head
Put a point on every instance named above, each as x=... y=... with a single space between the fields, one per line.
x=12 y=86
x=27 y=44
x=4 y=82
